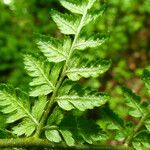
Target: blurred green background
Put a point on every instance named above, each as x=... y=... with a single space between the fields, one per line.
x=127 y=22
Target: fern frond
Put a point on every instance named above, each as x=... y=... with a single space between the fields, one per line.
x=39 y=69
x=68 y=137
x=142 y=141
x=147 y=124
x=91 y=69
x=137 y=108
x=55 y=50
x=69 y=102
x=66 y=23
x=94 y=15
x=90 y=3
x=38 y=108
x=110 y=121
x=146 y=79
x=53 y=135
x=76 y=129
x=15 y=103
x=80 y=99
x=77 y=6
x=27 y=127
x=92 y=41
x=56 y=117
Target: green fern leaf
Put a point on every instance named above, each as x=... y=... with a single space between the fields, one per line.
x=72 y=96
x=90 y=3
x=137 y=109
x=141 y=141
x=82 y=129
x=94 y=15
x=15 y=103
x=55 y=50
x=147 y=124
x=77 y=6
x=56 y=117
x=81 y=102
x=53 y=136
x=146 y=79
x=68 y=137
x=111 y=121
x=57 y=135
x=93 y=41
x=67 y=24
x=27 y=127
x=88 y=134
x=39 y=70
x=86 y=70
x=76 y=129
x=38 y=108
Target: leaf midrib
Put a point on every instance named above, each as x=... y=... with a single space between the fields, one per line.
x=42 y=73
x=54 y=49
x=82 y=70
x=88 y=98
x=23 y=108
x=84 y=43
x=77 y=7
x=69 y=25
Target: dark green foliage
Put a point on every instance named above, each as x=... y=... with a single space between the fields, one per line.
x=55 y=106
x=49 y=71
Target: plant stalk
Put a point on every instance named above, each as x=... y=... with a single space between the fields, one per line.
x=37 y=142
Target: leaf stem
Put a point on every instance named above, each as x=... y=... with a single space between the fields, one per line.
x=37 y=142
x=25 y=110
x=48 y=108
x=62 y=76
x=136 y=129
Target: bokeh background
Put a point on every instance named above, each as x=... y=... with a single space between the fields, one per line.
x=127 y=22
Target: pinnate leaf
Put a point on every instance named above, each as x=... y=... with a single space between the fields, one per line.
x=67 y=135
x=78 y=129
x=38 y=108
x=15 y=103
x=82 y=101
x=137 y=108
x=56 y=117
x=53 y=135
x=67 y=24
x=146 y=79
x=82 y=128
x=77 y=6
x=111 y=121
x=88 y=69
x=55 y=50
x=147 y=124
x=142 y=141
x=94 y=15
x=39 y=69
x=27 y=127
x=90 y=42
